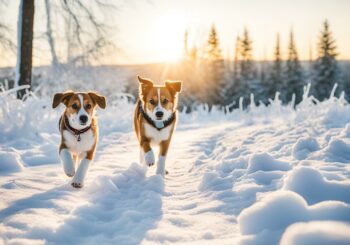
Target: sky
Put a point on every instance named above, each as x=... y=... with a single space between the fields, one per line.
x=153 y=30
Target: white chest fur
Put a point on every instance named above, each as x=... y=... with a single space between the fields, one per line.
x=87 y=140
x=157 y=136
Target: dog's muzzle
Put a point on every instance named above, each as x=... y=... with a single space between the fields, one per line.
x=83 y=119
x=159 y=114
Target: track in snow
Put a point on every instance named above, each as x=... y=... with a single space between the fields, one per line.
x=118 y=203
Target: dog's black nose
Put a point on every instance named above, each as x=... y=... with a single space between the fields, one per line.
x=159 y=114
x=83 y=119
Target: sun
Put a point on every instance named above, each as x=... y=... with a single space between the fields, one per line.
x=170 y=29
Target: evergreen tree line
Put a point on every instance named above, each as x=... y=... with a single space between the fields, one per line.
x=209 y=79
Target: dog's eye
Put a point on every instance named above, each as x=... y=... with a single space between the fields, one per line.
x=151 y=101
x=88 y=106
x=75 y=106
x=165 y=101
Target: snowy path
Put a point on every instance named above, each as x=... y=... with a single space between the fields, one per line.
x=57 y=212
x=189 y=215
x=241 y=180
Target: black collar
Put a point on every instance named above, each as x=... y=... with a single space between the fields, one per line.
x=164 y=124
x=74 y=131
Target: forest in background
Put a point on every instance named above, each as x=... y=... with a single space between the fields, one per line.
x=211 y=79
x=208 y=77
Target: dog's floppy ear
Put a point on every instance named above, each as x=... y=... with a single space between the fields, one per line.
x=174 y=85
x=145 y=85
x=61 y=97
x=98 y=99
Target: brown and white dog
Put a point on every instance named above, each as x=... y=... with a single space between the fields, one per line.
x=155 y=119
x=79 y=132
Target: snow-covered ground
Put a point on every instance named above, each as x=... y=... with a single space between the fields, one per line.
x=269 y=175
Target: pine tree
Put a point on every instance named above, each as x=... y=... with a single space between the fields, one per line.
x=186 y=53
x=189 y=74
x=325 y=70
x=262 y=75
x=214 y=51
x=231 y=91
x=275 y=80
x=247 y=74
x=294 y=79
x=215 y=70
x=309 y=72
x=235 y=61
x=193 y=53
x=263 y=78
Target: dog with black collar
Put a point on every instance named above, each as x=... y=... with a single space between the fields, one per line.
x=155 y=119
x=79 y=132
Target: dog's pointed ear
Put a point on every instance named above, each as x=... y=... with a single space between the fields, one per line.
x=61 y=98
x=174 y=85
x=100 y=100
x=145 y=85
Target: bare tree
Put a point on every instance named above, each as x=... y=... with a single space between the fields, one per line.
x=24 y=46
x=5 y=32
x=49 y=34
x=86 y=33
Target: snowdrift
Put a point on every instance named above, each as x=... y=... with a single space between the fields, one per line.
x=317 y=232
x=276 y=174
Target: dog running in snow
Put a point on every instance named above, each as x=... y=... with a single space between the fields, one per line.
x=155 y=119
x=79 y=132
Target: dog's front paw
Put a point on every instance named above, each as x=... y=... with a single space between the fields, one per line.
x=70 y=173
x=77 y=184
x=149 y=158
x=78 y=179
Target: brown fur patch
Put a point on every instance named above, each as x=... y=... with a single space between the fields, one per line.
x=98 y=99
x=61 y=97
x=174 y=86
x=74 y=105
x=145 y=85
x=167 y=100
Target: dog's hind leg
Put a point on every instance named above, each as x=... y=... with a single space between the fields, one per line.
x=67 y=162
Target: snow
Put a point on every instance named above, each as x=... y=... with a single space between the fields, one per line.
x=317 y=232
x=304 y=146
x=261 y=176
x=346 y=131
x=10 y=162
x=309 y=183
x=276 y=211
x=265 y=162
x=338 y=150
